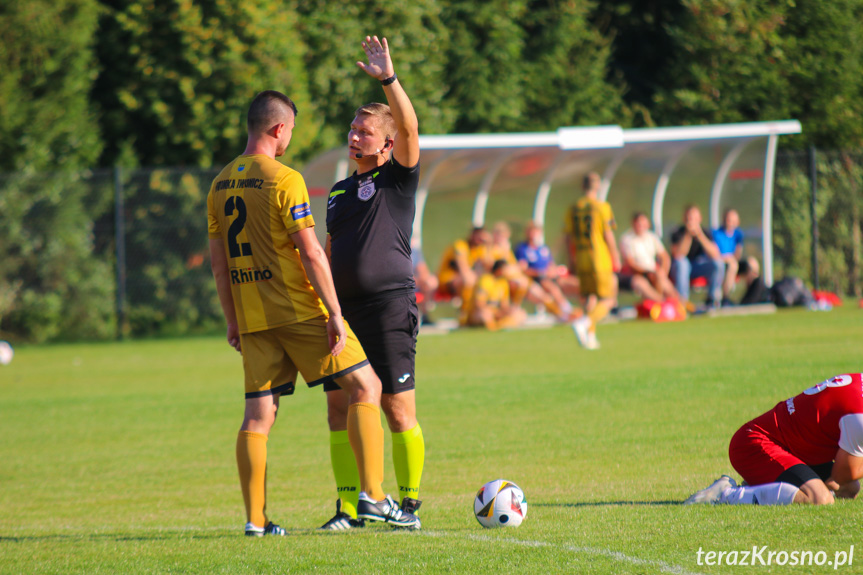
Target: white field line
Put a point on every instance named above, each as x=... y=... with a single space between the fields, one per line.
x=616 y=555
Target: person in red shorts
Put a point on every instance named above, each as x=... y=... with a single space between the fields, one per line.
x=807 y=449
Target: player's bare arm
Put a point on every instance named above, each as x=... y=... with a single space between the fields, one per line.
x=406 y=148
x=219 y=265
x=681 y=248
x=317 y=268
x=709 y=246
x=847 y=471
x=612 y=249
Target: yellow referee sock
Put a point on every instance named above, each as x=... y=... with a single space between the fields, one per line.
x=252 y=464
x=367 y=440
x=409 y=453
x=345 y=471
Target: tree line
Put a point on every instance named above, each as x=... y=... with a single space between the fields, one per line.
x=91 y=84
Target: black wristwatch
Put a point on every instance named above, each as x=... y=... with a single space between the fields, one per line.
x=390 y=80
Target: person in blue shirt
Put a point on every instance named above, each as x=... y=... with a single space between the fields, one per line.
x=729 y=240
x=535 y=260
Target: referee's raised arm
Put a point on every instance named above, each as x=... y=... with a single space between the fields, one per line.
x=406 y=147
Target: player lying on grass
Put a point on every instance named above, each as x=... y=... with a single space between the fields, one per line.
x=807 y=449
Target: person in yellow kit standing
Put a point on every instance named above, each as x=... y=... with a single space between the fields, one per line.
x=282 y=314
x=593 y=250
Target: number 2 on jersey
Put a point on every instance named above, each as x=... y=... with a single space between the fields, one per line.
x=235 y=248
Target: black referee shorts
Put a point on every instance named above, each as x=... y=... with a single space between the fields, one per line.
x=387 y=328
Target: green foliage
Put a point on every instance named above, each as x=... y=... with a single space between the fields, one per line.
x=333 y=32
x=484 y=63
x=839 y=210
x=756 y=60
x=730 y=65
x=641 y=47
x=46 y=120
x=178 y=75
x=52 y=287
x=792 y=221
x=526 y=65
x=167 y=83
x=170 y=288
x=565 y=62
x=823 y=62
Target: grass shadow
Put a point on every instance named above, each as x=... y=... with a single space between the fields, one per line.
x=607 y=503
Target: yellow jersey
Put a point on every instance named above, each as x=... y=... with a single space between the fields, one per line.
x=496 y=252
x=586 y=223
x=254 y=205
x=448 y=266
x=490 y=290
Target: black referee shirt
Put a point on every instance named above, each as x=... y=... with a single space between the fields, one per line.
x=369 y=219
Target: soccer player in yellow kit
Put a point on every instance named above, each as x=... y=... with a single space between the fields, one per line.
x=595 y=257
x=489 y=304
x=282 y=314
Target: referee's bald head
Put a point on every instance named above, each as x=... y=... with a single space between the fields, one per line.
x=269 y=108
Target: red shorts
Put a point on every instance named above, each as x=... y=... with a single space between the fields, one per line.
x=756 y=456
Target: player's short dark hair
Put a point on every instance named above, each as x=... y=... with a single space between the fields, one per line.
x=591 y=180
x=638 y=214
x=498 y=265
x=269 y=108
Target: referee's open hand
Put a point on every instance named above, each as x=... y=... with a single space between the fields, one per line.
x=380 y=64
x=336 y=334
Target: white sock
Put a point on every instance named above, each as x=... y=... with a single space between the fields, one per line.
x=767 y=494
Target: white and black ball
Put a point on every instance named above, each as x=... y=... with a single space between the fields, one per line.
x=500 y=503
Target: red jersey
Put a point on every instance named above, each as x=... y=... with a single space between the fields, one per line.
x=829 y=415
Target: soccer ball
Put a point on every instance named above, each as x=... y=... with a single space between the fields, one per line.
x=500 y=503
x=6 y=352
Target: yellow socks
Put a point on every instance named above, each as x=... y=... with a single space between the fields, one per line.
x=252 y=464
x=599 y=311
x=367 y=440
x=409 y=452
x=345 y=471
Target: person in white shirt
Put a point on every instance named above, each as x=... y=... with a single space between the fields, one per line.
x=645 y=262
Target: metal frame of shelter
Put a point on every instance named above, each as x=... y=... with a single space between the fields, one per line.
x=609 y=146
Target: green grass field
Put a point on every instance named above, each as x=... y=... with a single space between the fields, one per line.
x=119 y=458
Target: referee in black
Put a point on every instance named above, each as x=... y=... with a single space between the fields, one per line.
x=369 y=222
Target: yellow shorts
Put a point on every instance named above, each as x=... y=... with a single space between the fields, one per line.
x=271 y=358
x=601 y=284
